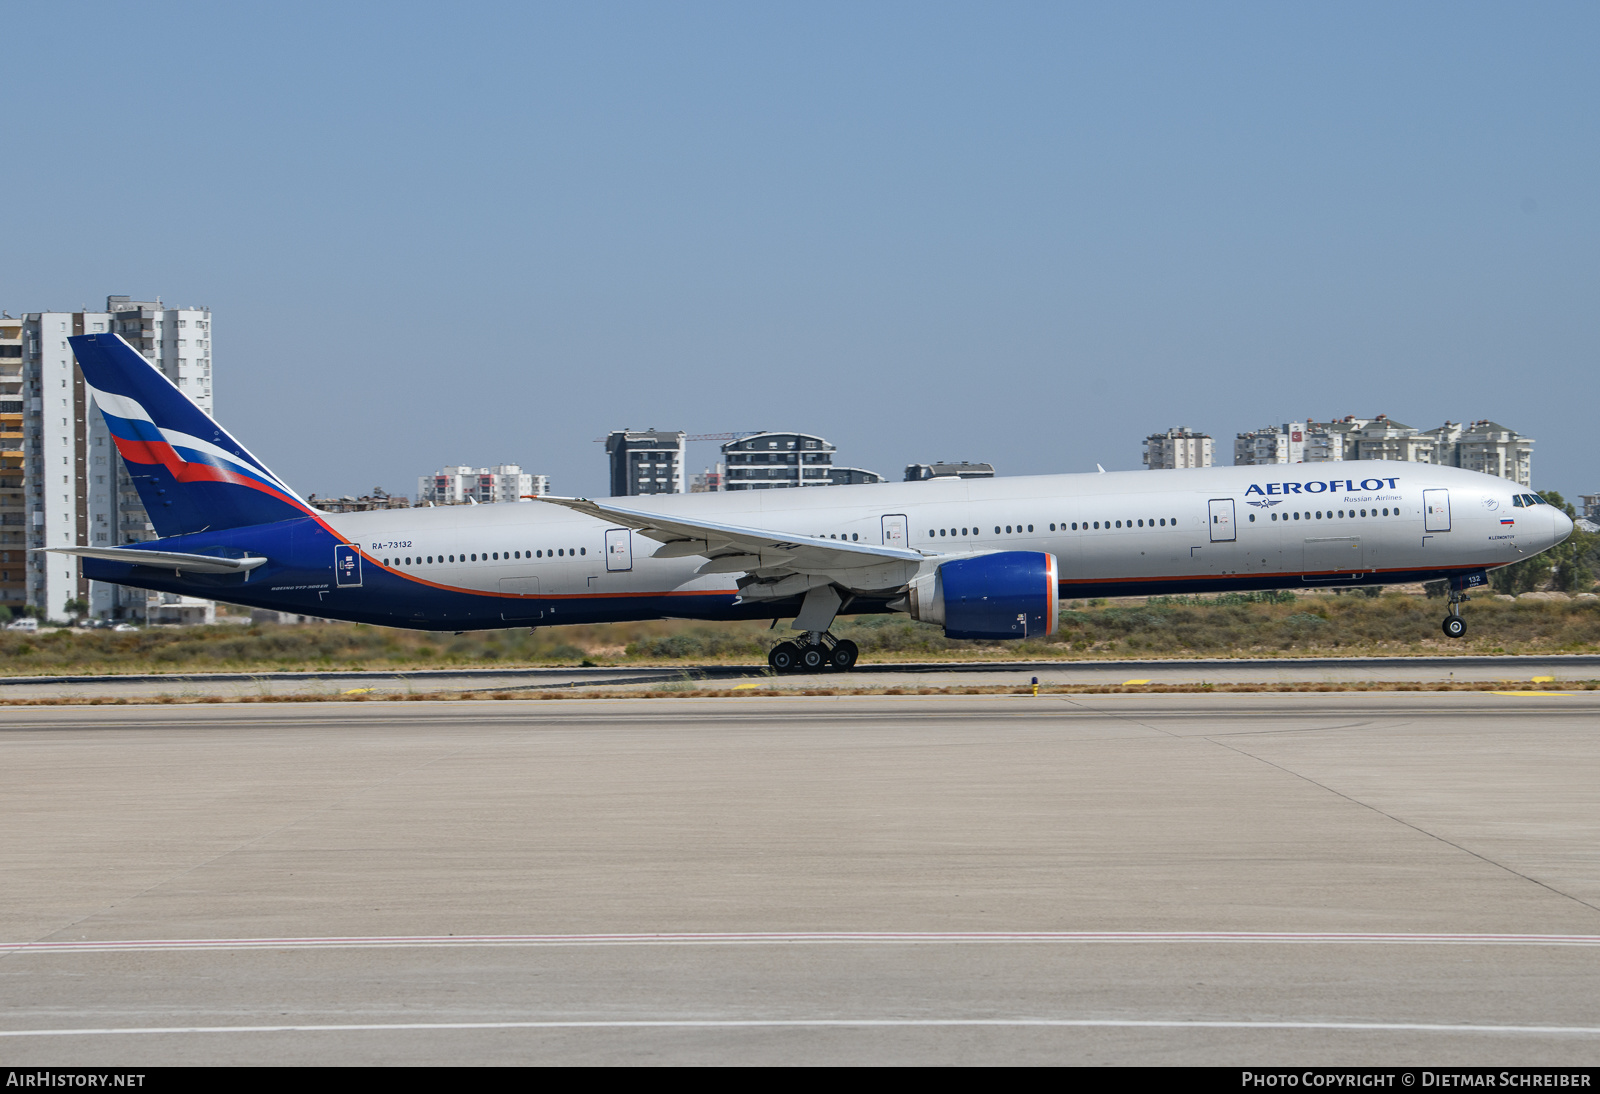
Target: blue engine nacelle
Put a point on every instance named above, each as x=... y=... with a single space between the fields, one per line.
x=1011 y=594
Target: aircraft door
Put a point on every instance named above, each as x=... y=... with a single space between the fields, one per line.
x=1222 y=530
x=894 y=530
x=1436 y=510
x=347 y=566
x=619 y=550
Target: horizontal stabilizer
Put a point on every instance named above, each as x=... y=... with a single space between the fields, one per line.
x=176 y=560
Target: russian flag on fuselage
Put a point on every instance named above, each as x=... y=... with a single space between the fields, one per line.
x=190 y=473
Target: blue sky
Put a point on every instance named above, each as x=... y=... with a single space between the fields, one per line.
x=1024 y=233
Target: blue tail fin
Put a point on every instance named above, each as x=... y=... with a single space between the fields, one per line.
x=190 y=474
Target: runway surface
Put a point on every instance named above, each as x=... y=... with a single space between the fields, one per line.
x=1214 y=879
x=1559 y=668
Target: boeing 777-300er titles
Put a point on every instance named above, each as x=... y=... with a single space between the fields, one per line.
x=982 y=558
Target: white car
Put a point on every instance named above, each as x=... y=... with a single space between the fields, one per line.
x=27 y=624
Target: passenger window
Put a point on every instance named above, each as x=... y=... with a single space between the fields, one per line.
x=583 y=550
x=1163 y=522
x=1252 y=518
x=1030 y=527
x=997 y=529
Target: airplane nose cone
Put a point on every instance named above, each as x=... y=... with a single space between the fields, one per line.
x=1563 y=527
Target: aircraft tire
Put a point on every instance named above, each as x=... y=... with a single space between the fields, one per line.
x=1454 y=626
x=783 y=657
x=813 y=658
x=843 y=655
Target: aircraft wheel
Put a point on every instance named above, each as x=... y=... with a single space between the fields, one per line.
x=813 y=658
x=783 y=657
x=843 y=655
x=1454 y=626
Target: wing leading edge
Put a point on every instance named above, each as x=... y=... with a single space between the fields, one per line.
x=732 y=548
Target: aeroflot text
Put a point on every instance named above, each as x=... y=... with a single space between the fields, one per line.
x=1331 y=486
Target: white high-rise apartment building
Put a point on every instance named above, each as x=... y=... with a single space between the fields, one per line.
x=1177 y=447
x=76 y=490
x=1484 y=445
x=1270 y=444
x=456 y=485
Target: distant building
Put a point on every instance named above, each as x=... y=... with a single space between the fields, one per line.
x=1383 y=438
x=48 y=427
x=1591 y=506
x=775 y=461
x=922 y=472
x=852 y=476
x=1177 y=447
x=1487 y=447
x=1270 y=444
x=1482 y=446
x=1333 y=442
x=648 y=461
x=708 y=481
x=778 y=461
x=378 y=499
x=458 y=485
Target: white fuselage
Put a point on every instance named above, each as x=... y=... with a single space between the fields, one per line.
x=1121 y=531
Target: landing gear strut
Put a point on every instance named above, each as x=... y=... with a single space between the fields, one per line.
x=819 y=651
x=1454 y=626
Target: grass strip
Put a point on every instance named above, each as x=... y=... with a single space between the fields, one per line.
x=779 y=691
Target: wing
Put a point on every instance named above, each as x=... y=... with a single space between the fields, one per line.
x=175 y=560
x=732 y=548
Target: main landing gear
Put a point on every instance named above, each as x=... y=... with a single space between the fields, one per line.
x=819 y=651
x=1454 y=626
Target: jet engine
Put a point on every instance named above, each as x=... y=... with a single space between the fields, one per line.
x=1010 y=594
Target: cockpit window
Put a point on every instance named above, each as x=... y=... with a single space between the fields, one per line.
x=1537 y=500
x=1518 y=502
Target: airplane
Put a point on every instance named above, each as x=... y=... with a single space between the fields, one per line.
x=981 y=558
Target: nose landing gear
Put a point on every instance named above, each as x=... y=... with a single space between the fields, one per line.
x=1454 y=626
x=818 y=652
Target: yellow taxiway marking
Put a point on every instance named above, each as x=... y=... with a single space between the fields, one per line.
x=356 y=691
x=741 y=687
x=1125 y=683
x=1542 y=679
x=1552 y=694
